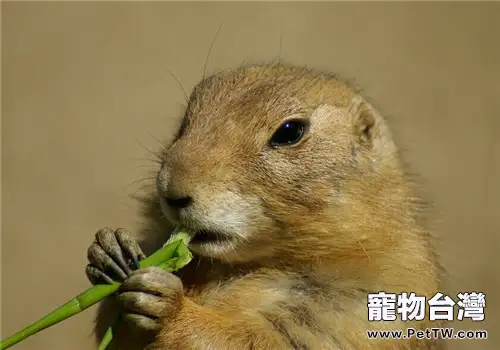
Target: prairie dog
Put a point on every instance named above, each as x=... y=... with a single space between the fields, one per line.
x=300 y=206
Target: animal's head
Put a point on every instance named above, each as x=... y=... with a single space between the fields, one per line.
x=269 y=160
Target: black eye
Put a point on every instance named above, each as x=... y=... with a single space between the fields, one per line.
x=289 y=133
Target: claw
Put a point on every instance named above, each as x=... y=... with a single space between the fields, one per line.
x=107 y=240
x=96 y=276
x=100 y=259
x=129 y=246
x=113 y=256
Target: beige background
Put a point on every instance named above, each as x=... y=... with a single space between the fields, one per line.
x=85 y=84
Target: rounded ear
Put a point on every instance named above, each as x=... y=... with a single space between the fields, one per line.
x=371 y=132
x=364 y=121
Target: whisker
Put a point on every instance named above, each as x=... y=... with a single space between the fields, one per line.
x=145 y=198
x=155 y=154
x=186 y=97
x=163 y=145
x=208 y=56
x=143 y=188
x=156 y=161
x=143 y=179
x=151 y=185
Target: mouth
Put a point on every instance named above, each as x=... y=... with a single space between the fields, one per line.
x=207 y=236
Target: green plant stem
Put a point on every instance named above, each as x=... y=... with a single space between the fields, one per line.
x=108 y=336
x=184 y=257
x=172 y=256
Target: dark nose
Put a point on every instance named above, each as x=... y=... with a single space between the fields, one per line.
x=179 y=203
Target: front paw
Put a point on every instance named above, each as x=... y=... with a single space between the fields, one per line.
x=112 y=256
x=149 y=295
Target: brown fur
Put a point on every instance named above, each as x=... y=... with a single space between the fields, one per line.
x=327 y=220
